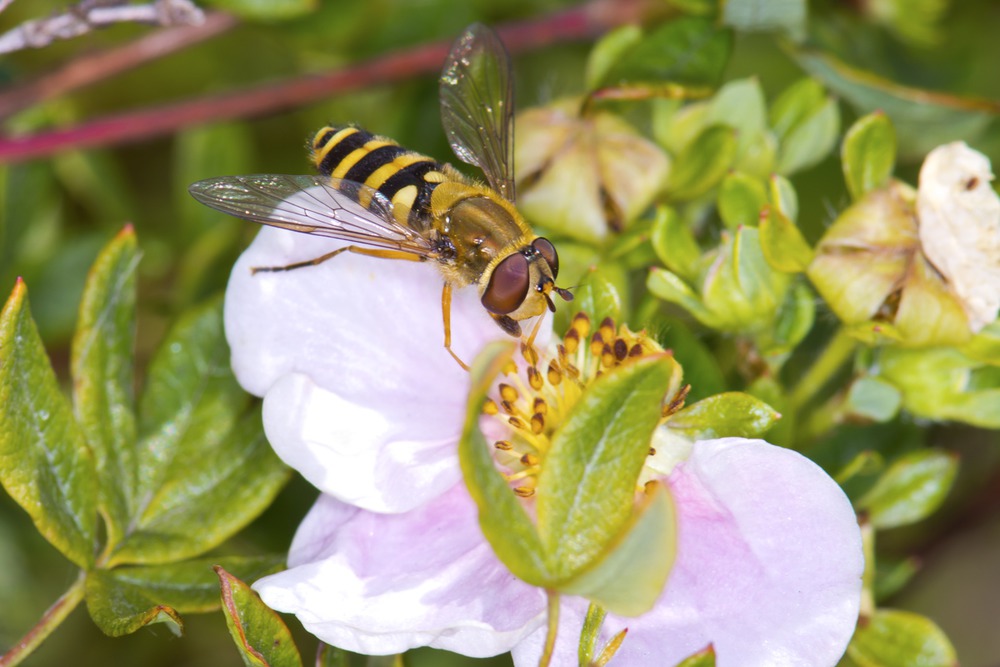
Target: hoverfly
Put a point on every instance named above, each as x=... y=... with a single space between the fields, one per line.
x=397 y=204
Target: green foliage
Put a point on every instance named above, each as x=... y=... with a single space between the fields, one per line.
x=893 y=638
x=259 y=633
x=911 y=489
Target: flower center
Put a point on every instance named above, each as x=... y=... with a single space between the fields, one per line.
x=531 y=400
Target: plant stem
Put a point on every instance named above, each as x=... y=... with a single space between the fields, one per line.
x=837 y=353
x=582 y=22
x=550 y=636
x=55 y=615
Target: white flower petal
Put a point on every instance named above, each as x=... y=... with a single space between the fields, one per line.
x=380 y=584
x=356 y=453
x=768 y=568
x=959 y=215
x=367 y=404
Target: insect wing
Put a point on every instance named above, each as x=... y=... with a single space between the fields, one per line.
x=477 y=105
x=319 y=205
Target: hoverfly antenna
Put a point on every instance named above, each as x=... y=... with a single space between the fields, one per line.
x=565 y=293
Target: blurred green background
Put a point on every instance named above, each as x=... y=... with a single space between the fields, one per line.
x=56 y=212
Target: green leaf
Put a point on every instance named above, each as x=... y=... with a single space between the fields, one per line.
x=741 y=200
x=607 y=51
x=868 y=154
x=101 y=366
x=586 y=487
x=194 y=411
x=260 y=635
x=591 y=632
x=893 y=638
x=811 y=140
x=794 y=105
x=702 y=163
x=674 y=243
x=923 y=119
x=331 y=656
x=892 y=575
x=730 y=414
x=690 y=51
x=911 y=489
x=754 y=15
x=873 y=399
x=265 y=10
x=504 y=522
x=740 y=105
x=795 y=319
x=45 y=464
x=598 y=297
x=629 y=577
x=783 y=197
x=701 y=365
x=670 y=287
x=119 y=608
x=783 y=245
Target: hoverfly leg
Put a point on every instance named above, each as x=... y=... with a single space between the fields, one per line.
x=357 y=250
x=446 y=316
x=528 y=346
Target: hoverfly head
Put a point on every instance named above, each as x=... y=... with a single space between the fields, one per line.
x=509 y=292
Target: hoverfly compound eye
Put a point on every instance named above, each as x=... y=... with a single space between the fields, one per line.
x=548 y=253
x=508 y=285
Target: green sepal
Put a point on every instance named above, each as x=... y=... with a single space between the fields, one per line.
x=868 y=154
x=730 y=414
x=260 y=635
x=911 y=489
x=670 y=287
x=783 y=245
x=598 y=296
x=674 y=243
x=505 y=524
x=703 y=163
x=788 y=16
x=689 y=51
x=629 y=576
x=703 y=658
x=119 y=607
x=808 y=142
x=985 y=345
x=586 y=488
x=608 y=49
x=741 y=200
x=45 y=464
x=194 y=410
x=591 y=632
x=102 y=370
x=894 y=638
x=871 y=398
x=793 y=323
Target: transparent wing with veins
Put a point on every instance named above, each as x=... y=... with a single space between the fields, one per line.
x=477 y=106
x=319 y=205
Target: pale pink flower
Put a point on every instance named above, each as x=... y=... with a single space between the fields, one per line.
x=363 y=400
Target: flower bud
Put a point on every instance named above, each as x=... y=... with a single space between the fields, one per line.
x=581 y=175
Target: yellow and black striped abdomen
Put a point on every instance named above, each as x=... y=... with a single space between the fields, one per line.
x=403 y=176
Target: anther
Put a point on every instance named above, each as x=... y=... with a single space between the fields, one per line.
x=524 y=491
x=608 y=328
x=652 y=451
x=537 y=423
x=572 y=340
x=530 y=459
x=535 y=378
x=607 y=356
x=529 y=354
x=677 y=402
x=581 y=323
x=596 y=343
x=636 y=350
x=490 y=407
x=540 y=406
x=507 y=392
x=509 y=368
x=503 y=445
x=516 y=422
x=554 y=374
x=621 y=349
x=507 y=407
